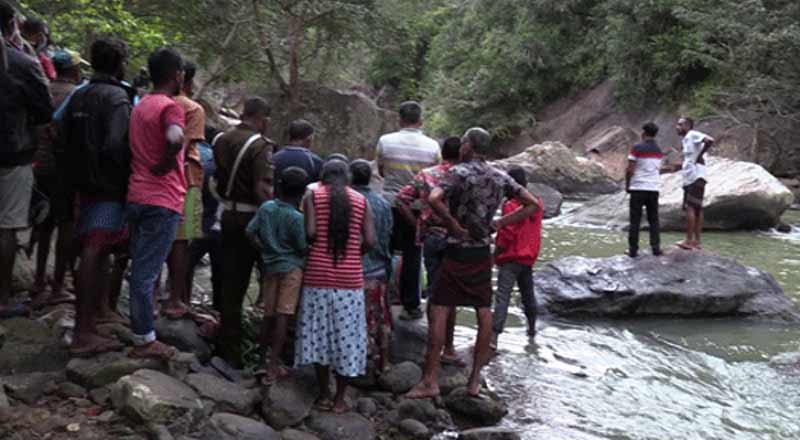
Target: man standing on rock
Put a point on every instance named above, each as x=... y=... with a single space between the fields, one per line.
x=475 y=190
x=400 y=156
x=245 y=181
x=695 y=146
x=26 y=104
x=643 y=183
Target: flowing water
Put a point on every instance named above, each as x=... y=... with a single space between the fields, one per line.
x=653 y=378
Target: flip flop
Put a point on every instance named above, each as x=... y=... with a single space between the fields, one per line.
x=99 y=347
x=323 y=405
x=14 y=311
x=160 y=351
x=176 y=314
x=684 y=246
x=64 y=298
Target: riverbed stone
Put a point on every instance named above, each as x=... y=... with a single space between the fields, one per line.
x=475 y=411
x=414 y=429
x=153 y=398
x=70 y=389
x=366 y=406
x=107 y=368
x=551 y=197
x=348 y=426
x=226 y=426
x=288 y=401
x=31 y=346
x=294 y=434
x=101 y=396
x=401 y=377
x=227 y=396
x=680 y=283
x=30 y=387
x=489 y=434
x=418 y=409
x=740 y=195
x=409 y=339
x=183 y=335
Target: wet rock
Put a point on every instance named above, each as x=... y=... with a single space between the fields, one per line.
x=451 y=377
x=414 y=429
x=225 y=426
x=100 y=396
x=152 y=397
x=349 y=426
x=31 y=346
x=551 y=198
x=418 y=409
x=69 y=389
x=488 y=434
x=293 y=434
x=366 y=407
x=288 y=401
x=29 y=387
x=183 y=335
x=786 y=361
x=475 y=411
x=116 y=330
x=227 y=396
x=680 y=283
x=401 y=377
x=107 y=368
x=555 y=165
x=739 y=195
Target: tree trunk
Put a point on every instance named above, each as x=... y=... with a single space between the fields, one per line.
x=296 y=37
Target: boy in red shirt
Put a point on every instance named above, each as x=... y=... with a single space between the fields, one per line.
x=516 y=250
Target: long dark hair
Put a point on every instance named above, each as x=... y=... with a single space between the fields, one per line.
x=335 y=175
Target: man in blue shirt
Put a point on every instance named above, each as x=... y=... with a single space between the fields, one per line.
x=298 y=152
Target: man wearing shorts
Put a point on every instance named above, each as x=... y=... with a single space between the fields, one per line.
x=474 y=190
x=695 y=145
x=26 y=104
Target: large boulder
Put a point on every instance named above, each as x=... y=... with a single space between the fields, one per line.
x=680 y=283
x=739 y=195
x=224 y=426
x=610 y=148
x=554 y=164
x=349 y=426
x=153 y=398
x=550 y=196
x=107 y=368
x=227 y=396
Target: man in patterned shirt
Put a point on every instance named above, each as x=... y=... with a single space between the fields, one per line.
x=473 y=191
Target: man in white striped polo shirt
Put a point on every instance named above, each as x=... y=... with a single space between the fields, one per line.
x=400 y=156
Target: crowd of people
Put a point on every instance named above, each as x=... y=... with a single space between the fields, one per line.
x=139 y=181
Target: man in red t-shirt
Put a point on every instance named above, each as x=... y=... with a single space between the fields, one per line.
x=516 y=250
x=155 y=193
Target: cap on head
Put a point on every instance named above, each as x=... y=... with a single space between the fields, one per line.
x=66 y=59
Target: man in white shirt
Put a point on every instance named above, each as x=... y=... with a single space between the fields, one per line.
x=643 y=183
x=695 y=145
x=400 y=156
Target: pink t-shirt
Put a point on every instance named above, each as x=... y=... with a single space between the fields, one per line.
x=148 y=137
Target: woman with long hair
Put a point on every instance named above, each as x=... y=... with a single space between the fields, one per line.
x=331 y=326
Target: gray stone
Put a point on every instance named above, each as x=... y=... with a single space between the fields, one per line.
x=154 y=398
x=183 y=335
x=401 y=377
x=288 y=401
x=100 y=396
x=414 y=429
x=451 y=377
x=29 y=387
x=555 y=165
x=475 y=411
x=684 y=283
x=488 y=434
x=409 y=339
x=69 y=389
x=418 y=409
x=740 y=195
x=31 y=346
x=225 y=426
x=107 y=368
x=227 y=396
x=366 y=407
x=349 y=426
x=550 y=196
x=293 y=434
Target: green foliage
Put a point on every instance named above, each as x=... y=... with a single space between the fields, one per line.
x=76 y=23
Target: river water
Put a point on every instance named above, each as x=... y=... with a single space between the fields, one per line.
x=653 y=378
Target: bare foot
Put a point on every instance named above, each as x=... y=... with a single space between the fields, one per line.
x=323 y=404
x=474 y=389
x=176 y=310
x=341 y=408
x=685 y=244
x=423 y=391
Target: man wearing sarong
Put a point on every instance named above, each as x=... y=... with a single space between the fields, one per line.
x=473 y=192
x=695 y=145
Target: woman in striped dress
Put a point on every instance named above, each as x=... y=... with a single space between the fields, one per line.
x=331 y=326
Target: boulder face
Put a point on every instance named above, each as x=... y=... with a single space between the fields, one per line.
x=739 y=195
x=610 y=148
x=555 y=165
x=680 y=283
x=550 y=196
x=152 y=397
